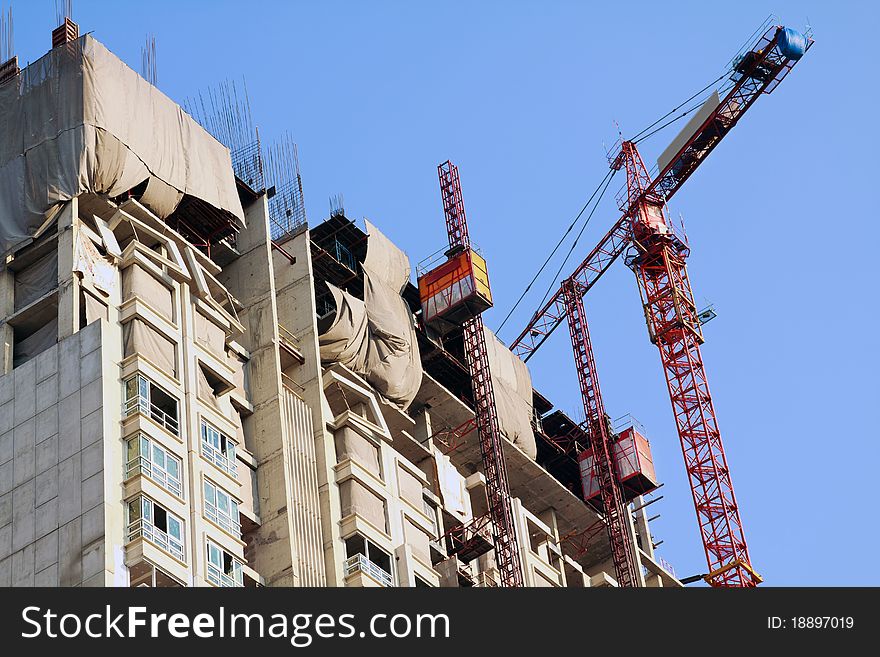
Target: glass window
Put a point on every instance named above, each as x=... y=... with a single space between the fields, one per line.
x=219 y=449
x=223 y=568
x=214 y=555
x=148 y=458
x=143 y=396
x=221 y=508
x=175 y=528
x=134 y=511
x=173 y=467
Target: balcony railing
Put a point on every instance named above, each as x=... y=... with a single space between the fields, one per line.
x=218 y=578
x=218 y=458
x=142 y=405
x=359 y=562
x=143 y=465
x=157 y=537
x=223 y=520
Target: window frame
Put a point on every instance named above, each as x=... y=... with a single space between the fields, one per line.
x=139 y=399
x=138 y=464
x=229 y=520
x=141 y=517
x=217 y=573
x=221 y=456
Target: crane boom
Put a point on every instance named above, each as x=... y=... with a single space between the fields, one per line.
x=488 y=431
x=759 y=74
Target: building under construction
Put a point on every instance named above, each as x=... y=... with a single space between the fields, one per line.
x=198 y=387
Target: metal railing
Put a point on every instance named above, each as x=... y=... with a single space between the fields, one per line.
x=219 y=578
x=142 y=465
x=223 y=520
x=288 y=337
x=142 y=405
x=156 y=536
x=359 y=562
x=219 y=459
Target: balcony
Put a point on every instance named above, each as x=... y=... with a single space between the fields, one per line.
x=161 y=539
x=221 y=509
x=142 y=465
x=147 y=458
x=145 y=397
x=219 y=459
x=224 y=570
x=219 y=450
x=218 y=578
x=360 y=563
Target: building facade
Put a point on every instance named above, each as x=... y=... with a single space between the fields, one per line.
x=173 y=413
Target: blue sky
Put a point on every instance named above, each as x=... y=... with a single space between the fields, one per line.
x=522 y=97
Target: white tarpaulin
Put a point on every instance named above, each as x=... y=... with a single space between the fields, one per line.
x=137 y=281
x=512 y=384
x=95 y=268
x=80 y=120
x=138 y=337
x=451 y=484
x=375 y=337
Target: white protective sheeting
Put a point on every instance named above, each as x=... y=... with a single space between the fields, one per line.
x=140 y=338
x=209 y=334
x=375 y=337
x=355 y=498
x=137 y=281
x=512 y=384
x=36 y=280
x=410 y=488
x=451 y=484
x=97 y=270
x=418 y=541
x=350 y=444
x=204 y=391
x=346 y=340
x=95 y=308
x=80 y=120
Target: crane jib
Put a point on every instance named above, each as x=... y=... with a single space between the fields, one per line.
x=773 y=58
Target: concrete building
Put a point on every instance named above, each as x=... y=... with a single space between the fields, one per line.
x=180 y=404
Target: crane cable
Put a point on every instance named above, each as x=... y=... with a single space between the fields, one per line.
x=571 y=226
x=640 y=136
x=574 y=244
x=636 y=137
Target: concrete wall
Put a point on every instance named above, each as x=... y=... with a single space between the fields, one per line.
x=52 y=462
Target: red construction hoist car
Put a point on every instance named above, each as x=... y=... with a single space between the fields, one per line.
x=657 y=255
x=453 y=295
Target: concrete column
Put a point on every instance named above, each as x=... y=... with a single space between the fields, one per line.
x=68 y=282
x=7 y=301
x=631 y=527
x=644 y=532
x=405 y=575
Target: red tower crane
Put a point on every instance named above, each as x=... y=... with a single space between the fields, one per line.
x=658 y=258
x=491 y=448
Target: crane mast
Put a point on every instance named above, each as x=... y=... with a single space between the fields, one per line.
x=613 y=504
x=657 y=256
x=488 y=431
